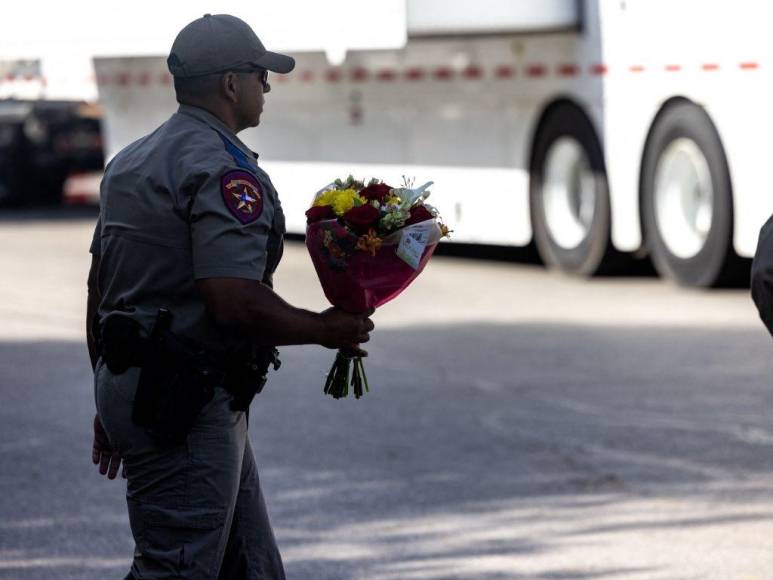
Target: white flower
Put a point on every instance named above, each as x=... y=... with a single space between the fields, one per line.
x=411 y=196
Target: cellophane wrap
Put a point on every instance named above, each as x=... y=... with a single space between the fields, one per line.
x=356 y=281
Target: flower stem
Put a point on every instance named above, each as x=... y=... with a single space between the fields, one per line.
x=346 y=371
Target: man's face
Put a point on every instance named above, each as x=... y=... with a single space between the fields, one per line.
x=251 y=96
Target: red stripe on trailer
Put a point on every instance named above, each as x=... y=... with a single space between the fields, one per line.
x=144 y=79
x=473 y=72
x=673 y=67
x=165 y=79
x=443 y=73
x=599 y=69
x=307 y=76
x=710 y=66
x=749 y=65
x=504 y=71
x=333 y=75
x=536 y=70
x=360 y=74
x=415 y=74
x=637 y=68
x=122 y=79
x=10 y=77
x=386 y=74
x=568 y=70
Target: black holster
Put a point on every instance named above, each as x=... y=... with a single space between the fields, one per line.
x=176 y=379
x=248 y=373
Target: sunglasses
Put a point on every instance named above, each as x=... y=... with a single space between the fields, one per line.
x=262 y=75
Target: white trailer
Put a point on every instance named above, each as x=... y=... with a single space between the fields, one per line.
x=594 y=129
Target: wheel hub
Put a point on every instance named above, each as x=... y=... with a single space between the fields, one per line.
x=569 y=193
x=684 y=198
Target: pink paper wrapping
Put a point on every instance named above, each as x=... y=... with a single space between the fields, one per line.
x=358 y=281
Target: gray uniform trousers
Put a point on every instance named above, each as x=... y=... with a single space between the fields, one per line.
x=196 y=510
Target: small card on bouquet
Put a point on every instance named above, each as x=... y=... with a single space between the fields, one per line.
x=412 y=244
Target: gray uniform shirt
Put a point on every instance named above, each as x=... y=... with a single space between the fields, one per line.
x=762 y=275
x=184 y=203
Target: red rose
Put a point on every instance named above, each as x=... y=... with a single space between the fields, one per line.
x=418 y=214
x=319 y=213
x=377 y=191
x=362 y=218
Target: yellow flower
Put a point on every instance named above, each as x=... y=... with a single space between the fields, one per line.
x=345 y=200
x=325 y=198
x=341 y=200
x=393 y=200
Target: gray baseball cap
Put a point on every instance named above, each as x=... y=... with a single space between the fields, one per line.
x=219 y=43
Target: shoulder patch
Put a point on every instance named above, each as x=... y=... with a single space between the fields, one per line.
x=242 y=195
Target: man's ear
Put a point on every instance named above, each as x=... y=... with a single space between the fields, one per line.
x=229 y=86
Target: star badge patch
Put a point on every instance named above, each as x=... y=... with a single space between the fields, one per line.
x=242 y=195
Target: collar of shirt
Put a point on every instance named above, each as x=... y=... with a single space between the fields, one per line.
x=206 y=117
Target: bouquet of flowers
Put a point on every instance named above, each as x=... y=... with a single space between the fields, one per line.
x=368 y=243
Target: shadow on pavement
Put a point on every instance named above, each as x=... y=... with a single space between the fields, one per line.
x=482 y=451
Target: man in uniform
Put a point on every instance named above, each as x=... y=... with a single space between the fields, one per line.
x=762 y=275
x=182 y=319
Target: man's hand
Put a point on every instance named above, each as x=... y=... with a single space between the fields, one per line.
x=345 y=330
x=103 y=454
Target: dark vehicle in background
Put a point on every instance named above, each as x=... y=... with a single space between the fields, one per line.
x=42 y=143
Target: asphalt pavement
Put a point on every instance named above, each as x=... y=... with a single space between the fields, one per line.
x=521 y=424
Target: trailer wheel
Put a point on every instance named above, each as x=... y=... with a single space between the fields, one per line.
x=568 y=194
x=687 y=200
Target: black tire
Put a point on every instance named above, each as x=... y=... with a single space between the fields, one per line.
x=716 y=264
x=594 y=254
